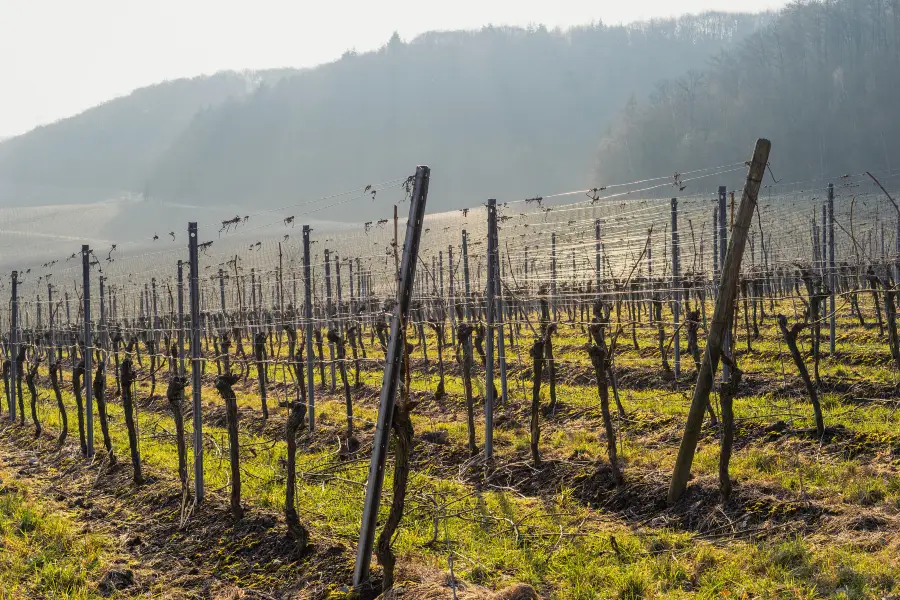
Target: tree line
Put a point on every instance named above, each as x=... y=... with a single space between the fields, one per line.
x=822 y=80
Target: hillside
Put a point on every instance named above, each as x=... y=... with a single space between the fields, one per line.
x=822 y=81
x=111 y=147
x=504 y=112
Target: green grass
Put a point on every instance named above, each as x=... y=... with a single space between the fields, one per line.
x=555 y=542
x=43 y=553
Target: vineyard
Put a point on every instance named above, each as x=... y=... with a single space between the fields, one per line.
x=668 y=387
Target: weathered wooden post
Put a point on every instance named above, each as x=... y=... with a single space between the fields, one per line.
x=721 y=319
x=391 y=377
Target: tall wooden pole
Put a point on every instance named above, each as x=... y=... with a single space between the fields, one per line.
x=731 y=267
x=391 y=379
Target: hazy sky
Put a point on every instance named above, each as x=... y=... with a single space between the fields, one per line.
x=58 y=57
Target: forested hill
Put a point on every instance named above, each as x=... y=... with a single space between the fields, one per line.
x=822 y=81
x=498 y=112
x=112 y=146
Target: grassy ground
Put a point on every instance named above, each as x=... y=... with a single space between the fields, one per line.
x=809 y=518
x=45 y=553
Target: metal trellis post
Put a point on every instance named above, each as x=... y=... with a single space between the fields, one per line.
x=597 y=256
x=723 y=250
x=329 y=312
x=196 y=369
x=451 y=302
x=13 y=345
x=51 y=338
x=553 y=274
x=465 y=257
x=88 y=350
x=500 y=316
x=489 y=348
x=676 y=289
x=308 y=312
x=832 y=269
x=104 y=329
x=180 y=319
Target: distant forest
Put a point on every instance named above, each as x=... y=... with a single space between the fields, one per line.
x=499 y=112
x=822 y=81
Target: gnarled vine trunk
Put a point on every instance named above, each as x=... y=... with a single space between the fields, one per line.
x=100 y=396
x=224 y=385
x=464 y=339
x=54 y=369
x=291 y=426
x=403 y=434
x=727 y=392
x=599 y=357
x=259 y=353
x=20 y=376
x=32 y=390
x=175 y=397
x=77 y=386
x=790 y=338
x=537 y=356
x=127 y=378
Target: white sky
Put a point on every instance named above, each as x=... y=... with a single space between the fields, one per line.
x=59 y=57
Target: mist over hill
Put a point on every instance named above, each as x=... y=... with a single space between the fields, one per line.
x=502 y=112
x=499 y=112
x=108 y=150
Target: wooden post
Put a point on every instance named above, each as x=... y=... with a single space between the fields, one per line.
x=391 y=380
x=721 y=319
